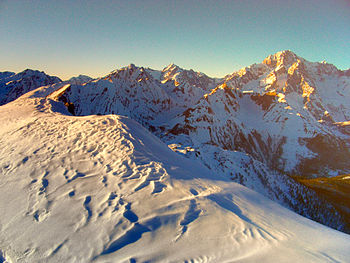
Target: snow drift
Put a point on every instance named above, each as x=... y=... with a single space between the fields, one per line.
x=103 y=188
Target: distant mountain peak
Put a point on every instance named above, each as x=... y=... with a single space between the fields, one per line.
x=81 y=79
x=256 y=126
x=171 y=68
x=31 y=72
x=285 y=58
x=15 y=85
x=6 y=74
x=132 y=66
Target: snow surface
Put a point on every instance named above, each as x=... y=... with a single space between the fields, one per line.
x=259 y=126
x=104 y=189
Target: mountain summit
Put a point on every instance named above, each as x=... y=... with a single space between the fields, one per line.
x=282 y=58
x=13 y=85
x=263 y=126
x=269 y=126
x=132 y=166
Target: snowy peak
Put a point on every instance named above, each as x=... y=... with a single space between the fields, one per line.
x=170 y=73
x=279 y=113
x=35 y=75
x=302 y=85
x=181 y=76
x=186 y=87
x=256 y=126
x=6 y=74
x=285 y=58
x=131 y=73
x=130 y=91
x=171 y=67
x=144 y=94
x=79 y=80
x=13 y=86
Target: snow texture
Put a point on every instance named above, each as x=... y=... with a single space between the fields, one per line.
x=104 y=189
x=142 y=165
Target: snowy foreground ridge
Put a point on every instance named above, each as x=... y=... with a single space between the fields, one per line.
x=104 y=189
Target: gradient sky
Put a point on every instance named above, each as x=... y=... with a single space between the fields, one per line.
x=67 y=38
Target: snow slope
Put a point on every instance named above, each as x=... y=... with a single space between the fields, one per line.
x=260 y=126
x=269 y=122
x=104 y=189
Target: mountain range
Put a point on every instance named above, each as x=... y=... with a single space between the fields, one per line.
x=280 y=128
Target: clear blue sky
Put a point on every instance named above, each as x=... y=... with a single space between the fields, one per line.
x=67 y=37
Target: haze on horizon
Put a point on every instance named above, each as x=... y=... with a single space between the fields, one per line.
x=68 y=38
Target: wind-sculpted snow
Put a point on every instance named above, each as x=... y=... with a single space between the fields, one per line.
x=108 y=190
x=104 y=189
x=264 y=124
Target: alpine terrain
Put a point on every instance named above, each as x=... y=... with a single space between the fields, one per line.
x=144 y=165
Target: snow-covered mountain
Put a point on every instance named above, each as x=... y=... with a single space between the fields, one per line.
x=14 y=85
x=260 y=126
x=148 y=96
x=280 y=127
x=6 y=74
x=276 y=112
x=282 y=113
x=104 y=189
x=79 y=80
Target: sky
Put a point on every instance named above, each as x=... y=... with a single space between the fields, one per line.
x=68 y=38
